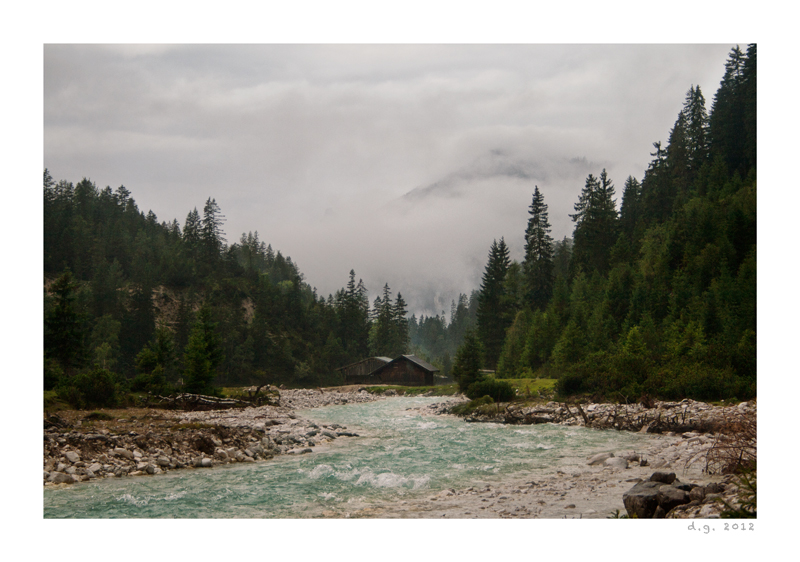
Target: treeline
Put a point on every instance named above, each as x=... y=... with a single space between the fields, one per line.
x=131 y=302
x=657 y=296
x=436 y=340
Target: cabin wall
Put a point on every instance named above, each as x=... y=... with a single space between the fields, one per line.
x=405 y=373
x=360 y=370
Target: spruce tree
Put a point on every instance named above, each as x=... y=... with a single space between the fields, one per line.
x=202 y=355
x=595 y=226
x=64 y=326
x=494 y=310
x=538 y=265
x=467 y=364
x=400 y=343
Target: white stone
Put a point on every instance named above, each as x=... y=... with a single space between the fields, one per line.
x=616 y=462
x=599 y=458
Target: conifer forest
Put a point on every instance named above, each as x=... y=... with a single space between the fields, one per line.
x=654 y=293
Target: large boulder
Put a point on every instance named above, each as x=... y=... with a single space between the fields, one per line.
x=641 y=501
x=670 y=497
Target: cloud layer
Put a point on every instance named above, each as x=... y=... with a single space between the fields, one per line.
x=401 y=162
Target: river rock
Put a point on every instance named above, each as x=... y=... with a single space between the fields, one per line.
x=663 y=477
x=616 y=462
x=698 y=493
x=641 y=501
x=120 y=452
x=72 y=456
x=599 y=458
x=62 y=478
x=670 y=497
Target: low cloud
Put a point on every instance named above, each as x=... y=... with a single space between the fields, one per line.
x=402 y=162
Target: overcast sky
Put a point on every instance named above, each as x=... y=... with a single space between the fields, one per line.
x=402 y=162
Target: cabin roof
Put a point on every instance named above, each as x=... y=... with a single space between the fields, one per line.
x=414 y=359
x=384 y=359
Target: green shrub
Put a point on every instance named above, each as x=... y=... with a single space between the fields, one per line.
x=570 y=383
x=471 y=406
x=154 y=383
x=498 y=390
x=53 y=373
x=98 y=416
x=95 y=389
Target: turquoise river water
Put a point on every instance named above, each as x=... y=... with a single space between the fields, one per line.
x=400 y=454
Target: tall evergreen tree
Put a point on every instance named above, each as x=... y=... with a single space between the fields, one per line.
x=538 y=265
x=64 y=326
x=494 y=310
x=400 y=321
x=733 y=103
x=384 y=324
x=202 y=355
x=595 y=225
x=630 y=208
x=211 y=234
x=468 y=362
x=696 y=119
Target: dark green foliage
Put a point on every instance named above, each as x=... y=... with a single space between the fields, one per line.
x=495 y=309
x=747 y=504
x=477 y=405
x=498 y=390
x=595 y=226
x=468 y=362
x=64 y=326
x=98 y=388
x=128 y=270
x=390 y=330
x=203 y=354
x=660 y=300
x=538 y=265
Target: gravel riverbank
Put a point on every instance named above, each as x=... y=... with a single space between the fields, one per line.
x=151 y=442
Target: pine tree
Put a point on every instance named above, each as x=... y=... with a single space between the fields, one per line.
x=494 y=312
x=64 y=326
x=595 y=226
x=733 y=104
x=400 y=343
x=467 y=363
x=211 y=234
x=630 y=208
x=202 y=355
x=538 y=265
x=696 y=120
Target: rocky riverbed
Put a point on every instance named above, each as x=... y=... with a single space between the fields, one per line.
x=80 y=447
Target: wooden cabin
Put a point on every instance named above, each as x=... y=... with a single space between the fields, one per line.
x=358 y=372
x=406 y=370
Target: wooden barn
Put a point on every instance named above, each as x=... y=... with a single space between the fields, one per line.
x=358 y=372
x=406 y=370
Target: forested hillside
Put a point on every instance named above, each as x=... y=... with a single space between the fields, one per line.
x=657 y=296
x=654 y=293
x=153 y=304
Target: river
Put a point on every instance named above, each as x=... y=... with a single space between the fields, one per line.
x=400 y=456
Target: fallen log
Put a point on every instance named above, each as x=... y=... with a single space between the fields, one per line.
x=201 y=402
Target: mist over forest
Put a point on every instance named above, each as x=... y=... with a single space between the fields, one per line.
x=645 y=285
